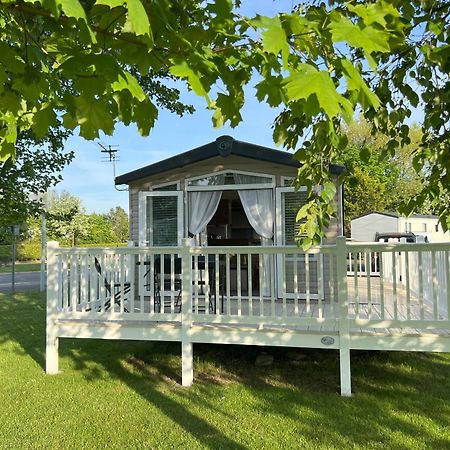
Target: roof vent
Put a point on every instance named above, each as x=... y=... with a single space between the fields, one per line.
x=224 y=145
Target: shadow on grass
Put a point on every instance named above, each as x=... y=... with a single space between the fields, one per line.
x=399 y=397
x=22 y=319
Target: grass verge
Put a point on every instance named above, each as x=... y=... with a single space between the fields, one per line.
x=22 y=267
x=126 y=395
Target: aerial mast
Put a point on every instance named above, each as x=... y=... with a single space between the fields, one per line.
x=112 y=156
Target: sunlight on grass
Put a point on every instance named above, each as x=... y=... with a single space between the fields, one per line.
x=128 y=395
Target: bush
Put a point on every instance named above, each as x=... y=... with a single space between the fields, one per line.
x=25 y=251
x=5 y=254
x=31 y=250
x=28 y=251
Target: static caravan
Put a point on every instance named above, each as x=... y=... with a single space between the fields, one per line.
x=228 y=193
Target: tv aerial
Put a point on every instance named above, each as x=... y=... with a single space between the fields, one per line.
x=111 y=156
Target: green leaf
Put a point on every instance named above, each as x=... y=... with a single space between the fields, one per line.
x=270 y=90
x=52 y=6
x=93 y=115
x=42 y=120
x=73 y=8
x=125 y=105
x=145 y=115
x=8 y=136
x=374 y=12
x=182 y=70
x=227 y=109
x=111 y=3
x=328 y=191
x=309 y=81
x=137 y=20
x=128 y=82
x=274 y=38
x=369 y=38
x=355 y=83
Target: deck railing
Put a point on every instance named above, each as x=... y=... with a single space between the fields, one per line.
x=260 y=285
x=388 y=286
x=411 y=288
x=255 y=285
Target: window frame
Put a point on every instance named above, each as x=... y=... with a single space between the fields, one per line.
x=143 y=232
x=230 y=187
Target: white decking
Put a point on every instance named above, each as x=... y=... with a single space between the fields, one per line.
x=398 y=300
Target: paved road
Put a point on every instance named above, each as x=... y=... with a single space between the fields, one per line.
x=24 y=281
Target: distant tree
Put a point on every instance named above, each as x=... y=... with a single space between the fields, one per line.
x=99 y=230
x=118 y=219
x=376 y=183
x=36 y=167
x=66 y=218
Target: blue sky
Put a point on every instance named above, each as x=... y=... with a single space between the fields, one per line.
x=91 y=179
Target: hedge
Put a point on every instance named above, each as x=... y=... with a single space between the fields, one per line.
x=31 y=251
x=25 y=251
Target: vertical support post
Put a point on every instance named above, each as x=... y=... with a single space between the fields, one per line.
x=51 y=350
x=131 y=266
x=187 y=362
x=43 y=247
x=13 y=266
x=344 y=327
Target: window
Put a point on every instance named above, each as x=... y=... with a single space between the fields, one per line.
x=291 y=203
x=162 y=212
x=166 y=187
x=160 y=218
x=424 y=227
x=231 y=179
x=287 y=181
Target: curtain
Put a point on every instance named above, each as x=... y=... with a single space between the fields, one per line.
x=203 y=205
x=258 y=207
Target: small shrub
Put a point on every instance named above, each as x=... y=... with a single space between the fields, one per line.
x=5 y=254
x=28 y=251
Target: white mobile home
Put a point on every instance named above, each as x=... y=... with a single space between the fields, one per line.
x=213 y=260
x=365 y=227
x=226 y=193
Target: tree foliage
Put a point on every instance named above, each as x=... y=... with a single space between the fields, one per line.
x=375 y=182
x=36 y=167
x=68 y=223
x=66 y=218
x=321 y=64
x=118 y=221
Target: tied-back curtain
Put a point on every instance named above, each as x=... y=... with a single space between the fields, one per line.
x=258 y=207
x=203 y=205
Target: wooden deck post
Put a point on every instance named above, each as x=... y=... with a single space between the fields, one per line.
x=51 y=350
x=187 y=362
x=344 y=328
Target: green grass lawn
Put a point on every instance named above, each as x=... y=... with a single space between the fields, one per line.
x=126 y=395
x=22 y=267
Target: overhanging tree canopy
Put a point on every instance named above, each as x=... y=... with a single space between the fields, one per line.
x=88 y=62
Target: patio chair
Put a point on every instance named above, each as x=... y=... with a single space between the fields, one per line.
x=113 y=290
x=163 y=283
